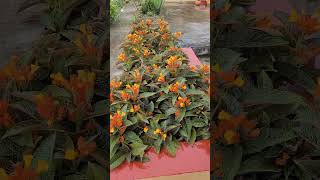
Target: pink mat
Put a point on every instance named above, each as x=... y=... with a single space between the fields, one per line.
x=188 y=158
x=193 y=59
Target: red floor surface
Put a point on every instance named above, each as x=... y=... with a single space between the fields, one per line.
x=188 y=158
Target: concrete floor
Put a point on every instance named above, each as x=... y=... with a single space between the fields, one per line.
x=17 y=31
x=181 y=16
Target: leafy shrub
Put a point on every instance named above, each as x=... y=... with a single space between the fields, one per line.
x=115 y=9
x=53 y=100
x=160 y=99
x=266 y=94
x=151 y=6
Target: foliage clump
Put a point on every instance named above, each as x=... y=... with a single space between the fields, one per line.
x=265 y=93
x=160 y=99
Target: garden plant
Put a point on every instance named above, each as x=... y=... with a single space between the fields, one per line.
x=53 y=102
x=160 y=100
x=265 y=93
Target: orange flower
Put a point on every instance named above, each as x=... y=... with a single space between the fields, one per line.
x=115 y=84
x=161 y=78
x=137 y=75
x=124 y=96
x=111 y=96
x=145 y=129
x=47 y=107
x=5 y=119
x=231 y=137
x=193 y=68
x=149 y=22
x=177 y=34
x=146 y=53
x=135 y=108
x=176 y=86
x=122 y=57
x=165 y=36
x=183 y=102
x=58 y=79
x=134 y=38
x=80 y=85
x=282 y=161
x=162 y=25
x=84 y=147
x=308 y=24
x=172 y=49
x=116 y=120
x=205 y=68
x=135 y=90
x=21 y=173
x=20 y=74
x=264 y=23
x=173 y=62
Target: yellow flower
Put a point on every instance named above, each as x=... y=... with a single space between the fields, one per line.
x=161 y=78
x=146 y=52
x=224 y=115
x=34 y=68
x=57 y=79
x=164 y=136
x=229 y=136
x=3 y=174
x=238 y=82
x=131 y=110
x=42 y=166
x=293 y=16
x=70 y=154
x=27 y=160
x=145 y=129
x=122 y=57
x=157 y=131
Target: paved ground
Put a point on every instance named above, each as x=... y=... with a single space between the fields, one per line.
x=181 y=15
x=17 y=32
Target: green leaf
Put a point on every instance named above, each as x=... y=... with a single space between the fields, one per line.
x=193 y=136
x=117 y=159
x=258 y=165
x=137 y=149
x=132 y=137
x=181 y=115
x=101 y=108
x=310 y=134
x=57 y=92
x=231 y=160
x=21 y=127
x=264 y=82
x=271 y=96
x=267 y=138
x=147 y=94
x=171 y=148
x=197 y=122
x=26 y=107
x=163 y=97
x=309 y=166
x=226 y=58
x=96 y=172
x=170 y=111
x=195 y=92
x=150 y=107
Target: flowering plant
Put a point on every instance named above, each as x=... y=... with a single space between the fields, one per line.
x=265 y=94
x=53 y=103
x=160 y=99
